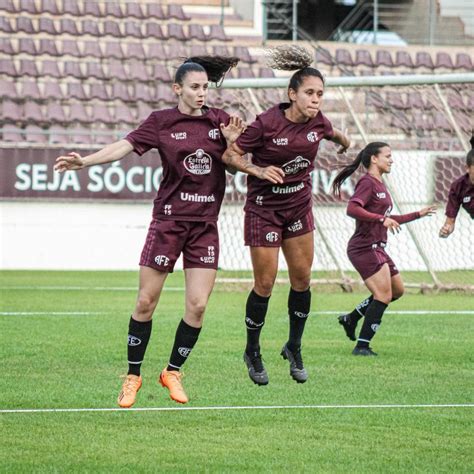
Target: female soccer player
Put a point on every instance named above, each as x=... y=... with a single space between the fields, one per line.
x=284 y=142
x=190 y=139
x=461 y=193
x=371 y=206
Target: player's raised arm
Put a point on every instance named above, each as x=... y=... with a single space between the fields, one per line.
x=74 y=161
x=341 y=139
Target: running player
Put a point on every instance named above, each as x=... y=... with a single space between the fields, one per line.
x=461 y=193
x=284 y=142
x=191 y=139
x=371 y=206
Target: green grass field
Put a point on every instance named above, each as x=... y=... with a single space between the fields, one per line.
x=53 y=357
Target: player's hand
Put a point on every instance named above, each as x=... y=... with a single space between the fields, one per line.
x=72 y=161
x=428 y=211
x=233 y=129
x=446 y=230
x=343 y=148
x=392 y=225
x=271 y=173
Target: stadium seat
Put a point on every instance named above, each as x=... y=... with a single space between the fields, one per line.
x=245 y=73
x=79 y=134
x=176 y=11
x=220 y=50
x=113 y=49
x=28 y=6
x=423 y=59
x=133 y=29
x=243 y=53
x=135 y=50
x=95 y=70
x=11 y=133
x=133 y=9
x=7 y=67
x=153 y=30
x=28 y=68
x=25 y=24
x=46 y=25
x=113 y=9
x=75 y=90
x=155 y=10
x=176 y=31
x=455 y=101
x=198 y=50
x=161 y=73
x=443 y=60
x=77 y=113
x=8 y=6
x=101 y=135
x=143 y=111
x=441 y=122
x=50 y=68
x=415 y=101
x=156 y=50
x=50 y=6
x=8 y=89
x=72 y=7
x=464 y=121
x=92 y=9
x=90 y=27
x=100 y=113
x=323 y=56
x=11 y=111
x=403 y=58
x=27 y=45
x=30 y=90
x=164 y=93
x=143 y=92
x=6 y=46
x=266 y=72
x=92 y=49
x=5 y=25
x=363 y=58
x=123 y=113
x=395 y=100
x=73 y=69
x=196 y=31
x=137 y=71
x=32 y=112
x=58 y=134
x=117 y=71
x=48 y=46
x=70 y=48
x=374 y=99
x=120 y=91
x=217 y=32
x=383 y=58
x=35 y=134
x=112 y=28
x=343 y=56
x=68 y=26
x=463 y=61
x=52 y=90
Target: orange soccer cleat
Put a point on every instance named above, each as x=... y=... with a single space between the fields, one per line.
x=171 y=379
x=128 y=394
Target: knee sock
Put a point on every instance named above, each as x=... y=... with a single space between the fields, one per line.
x=299 y=303
x=255 y=312
x=138 y=337
x=184 y=341
x=359 y=311
x=372 y=321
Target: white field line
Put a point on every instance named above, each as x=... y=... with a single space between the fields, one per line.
x=236 y=408
x=82 y=288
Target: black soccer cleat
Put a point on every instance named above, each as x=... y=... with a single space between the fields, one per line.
x=363 y=351
x=257 y=372
x=297 y=370
x=345 y=322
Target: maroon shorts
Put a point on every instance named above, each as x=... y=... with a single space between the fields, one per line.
x=198 y=241
x=276 y=226
x=368 y=261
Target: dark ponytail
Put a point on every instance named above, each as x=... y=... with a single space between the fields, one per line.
x=470 y=154
x=363 y=157
x=216 y=67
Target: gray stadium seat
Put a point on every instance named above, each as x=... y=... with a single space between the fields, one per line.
x=25 y=24
x=113 y=9
x=28 y=68
x=50 y=68
x=12 y=133
x=92 y=9
x=196 y=31
x=70 y=48
x=68 y=26
x=112 y=28
x=133 y=29
x=153 y=30
x=363 y=58
x=78 y=113
x=73 y=69
x=28 y=6
x=134 y=10
x=52 y=90
x=92 y=49
x=5 y=25
x=30 y=90
x=33 y=112
x=46 y=25
x=8 y=88
x=27 y=45
x=6 y=46
x=50 y=6
x=383 y=58
x=343 y=56
x=423 y=59
x=11 y=111
x=7 y=67
x=35 y=134
x=95 y=70
x=443 y=60
x=120 y=91
x=90 y=27
x=176 y=11
x=155 y=10
x=463 y=61
x=98 y=90
x=48 y=46
x=176 y=31
x=217 y=33
x=403 y=58
x=113 y=49
x=117 y=71
x=75 y=90
x=72 y=7
x=8 y=6
x=135 y=50
x=160 y=72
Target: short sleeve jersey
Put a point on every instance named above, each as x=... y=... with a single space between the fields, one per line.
x=274 y=140
x=191 y=149
x=374 y=197
x=461 y=193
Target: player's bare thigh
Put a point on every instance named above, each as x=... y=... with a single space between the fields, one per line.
x=151 y=283
x=299 y=255
x=199 y=285
x=380 y=284
x=265 y=268
x=398 y=288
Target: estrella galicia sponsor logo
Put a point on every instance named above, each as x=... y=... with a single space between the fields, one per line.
x=312 y=137
x=466 y=199
x=280 y=141
x=296 y=165
x=162 y=260
x=184 y=351
x=251 y=324
x=211 y=255
x=381 y=195
x=197 y=197
x=296 y=226
x=287 y=189
x=375 y=327
x=198 y=162
x=301 y=315
x=179 y=135
x=271 y=237
x=133 y=341
x=214 y=133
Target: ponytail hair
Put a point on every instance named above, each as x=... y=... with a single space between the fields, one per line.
x=363 y=157
x=290 y=58
x=470 y=154
x=216 y=67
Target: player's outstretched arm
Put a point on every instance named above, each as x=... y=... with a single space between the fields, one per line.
x=341 y=139
x=234 y=157
x=448 y=227
x=74 y=161
x=404 y=218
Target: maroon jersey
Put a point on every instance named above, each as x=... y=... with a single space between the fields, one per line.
x=461 y=193
x=191 y=147
x=374 y=197
x=274 y=140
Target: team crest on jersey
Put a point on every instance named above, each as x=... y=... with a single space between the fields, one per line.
x=312 y=137
x=381 y=195
x=198 y=162
x=214 y=133
x=179 y=135
x=280 y=141
x=296 y=165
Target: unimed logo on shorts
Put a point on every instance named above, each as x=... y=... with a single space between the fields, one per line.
x=271 y=237
x=162 y=260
